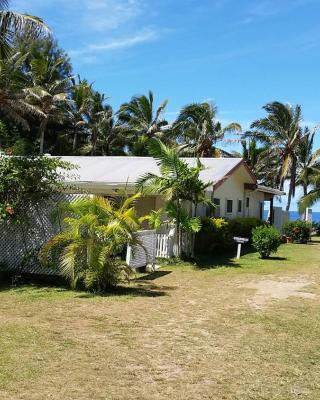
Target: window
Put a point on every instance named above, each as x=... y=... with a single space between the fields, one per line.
x=216 y=211
x=239 y=206
x=229 y=206
x=247 y=202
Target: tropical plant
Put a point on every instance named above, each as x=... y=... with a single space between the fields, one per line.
x=48 y=94
x=13 y=105
x=299 y=231
x=82 y=97
x=178 y=182
x=196 y=126
x=313 y=195
x=27 y=182
x=281 y=133
x=13 y=23
x=95 y=233
x=308 y=165
x=139 y=119
x=266 y=240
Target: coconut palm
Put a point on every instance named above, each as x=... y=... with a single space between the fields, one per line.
x=13 y=105
x=196 y=126
x=82 y=96
x=313 y=195
x=308 y=164
x=48 y=93
x=95 y=233
x=178 y=182
x=281 y=133
x=12 y=22
x=139 y=118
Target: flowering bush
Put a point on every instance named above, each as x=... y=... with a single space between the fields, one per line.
x=298 y=231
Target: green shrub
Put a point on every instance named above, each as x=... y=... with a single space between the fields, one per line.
x=299 y=231
x=213 y=236
x=243 y=227
x=266 y=240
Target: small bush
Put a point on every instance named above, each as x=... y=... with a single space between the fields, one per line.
x=316 y=227
x=214 y=235
x=299 y=231
x=266 y=240
x=243 y=227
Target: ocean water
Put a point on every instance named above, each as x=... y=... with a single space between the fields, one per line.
x=294 y=215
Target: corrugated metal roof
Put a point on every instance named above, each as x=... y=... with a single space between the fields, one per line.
x=126 y=170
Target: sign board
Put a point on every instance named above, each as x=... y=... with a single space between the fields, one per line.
x=240 y=239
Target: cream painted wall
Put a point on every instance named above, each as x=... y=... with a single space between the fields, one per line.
x=233 y=189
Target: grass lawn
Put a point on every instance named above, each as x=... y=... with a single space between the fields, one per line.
x=219 y=330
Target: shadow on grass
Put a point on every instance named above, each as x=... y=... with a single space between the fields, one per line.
x=134 y=291
x=222 y=260
x=153 y=275
x=39 y=289
x=276 y=258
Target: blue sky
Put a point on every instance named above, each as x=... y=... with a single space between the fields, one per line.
x=238 y=54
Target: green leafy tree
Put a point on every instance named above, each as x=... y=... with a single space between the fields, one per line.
x=13 y=23
x=178 y=182
x=281 y=134
x=48 y=94
x=13 y=106
x=196 y=126
x=95 y=232
x=27 y=182
x=308 y=164
x=140 y=120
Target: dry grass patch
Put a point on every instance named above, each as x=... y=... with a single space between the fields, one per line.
x=189 y=334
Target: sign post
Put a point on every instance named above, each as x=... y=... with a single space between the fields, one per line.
x=240 y=241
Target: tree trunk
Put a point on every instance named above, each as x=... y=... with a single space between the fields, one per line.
x=75 y=140
x=42 y=129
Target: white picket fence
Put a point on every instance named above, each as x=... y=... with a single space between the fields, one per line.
x=163 y=245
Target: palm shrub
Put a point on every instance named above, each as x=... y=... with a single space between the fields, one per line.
x=95 y=232
x=179 y=183
x=266 y=240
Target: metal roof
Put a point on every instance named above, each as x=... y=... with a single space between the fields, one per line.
x=125 y=170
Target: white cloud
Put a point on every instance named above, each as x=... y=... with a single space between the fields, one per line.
x=115 y=44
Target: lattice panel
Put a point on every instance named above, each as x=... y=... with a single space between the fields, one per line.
x=19 y=243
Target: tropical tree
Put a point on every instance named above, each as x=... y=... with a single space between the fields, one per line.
x=13 y=23
x=95 y=233
x=48 y=93
x=196 y=126
x=82 y=97
x=313 y=195
x=13 y=105
x=308 y=165
x=178 y=183
x=140 y=120
x=281 y=134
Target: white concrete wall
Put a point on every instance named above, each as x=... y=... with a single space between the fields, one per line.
x=233 y=189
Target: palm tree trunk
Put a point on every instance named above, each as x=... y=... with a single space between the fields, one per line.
x=75 y=140
x=42 y=129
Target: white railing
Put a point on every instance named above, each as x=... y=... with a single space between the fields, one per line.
x=163 y=245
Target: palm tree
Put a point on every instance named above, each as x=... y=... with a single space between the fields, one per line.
x=101 y=124
x=177 y=182
x=196 y=126
x=95 y=232
x=12 y=22
x=139 y=118
x=281 y=133
x=313 y=195
x=82 y=96
x=48 y=93
x=13 y=105
x=308 y=161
